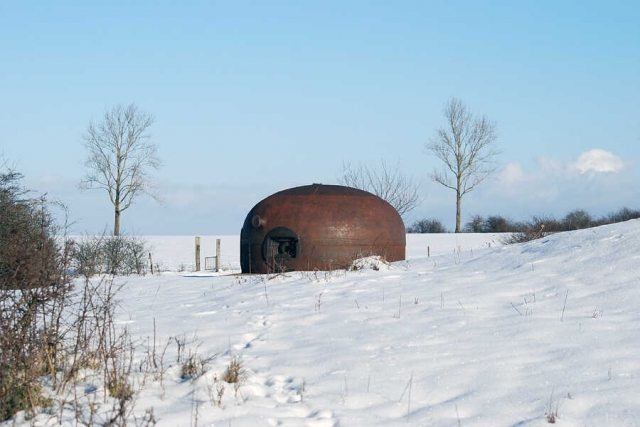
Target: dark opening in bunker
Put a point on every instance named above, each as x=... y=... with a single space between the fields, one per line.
x=280 y=246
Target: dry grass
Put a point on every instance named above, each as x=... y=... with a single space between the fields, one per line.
x=236 y=373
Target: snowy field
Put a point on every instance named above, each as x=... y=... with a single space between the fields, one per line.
x=477 y=334
x=176 y=253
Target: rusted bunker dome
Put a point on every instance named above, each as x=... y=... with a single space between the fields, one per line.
x=320 y=227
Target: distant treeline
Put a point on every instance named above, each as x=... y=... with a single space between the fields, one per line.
x=574 y=220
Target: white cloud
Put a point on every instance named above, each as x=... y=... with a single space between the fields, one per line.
x=550 y=167
x=598 y=161
x=595 y=180
x=512 y=174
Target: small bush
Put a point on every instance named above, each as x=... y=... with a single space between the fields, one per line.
x=491 y=224
x=624 y=214
x=120 y=389
x=426 y=226
x=236 y=373
x=195 y=366
x=536 y=228
x=498 y=224
x=116 y=255
x=577 y=219
x=476 y=224
x=540 y=226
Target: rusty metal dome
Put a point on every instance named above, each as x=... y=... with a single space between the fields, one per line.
x=319 y=227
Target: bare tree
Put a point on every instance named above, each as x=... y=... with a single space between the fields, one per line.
x=390 y=184
x=119 y=156
x=466 y=147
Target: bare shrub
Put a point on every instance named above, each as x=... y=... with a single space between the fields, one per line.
x=542 y=225
x=236 y=374
x=624 y=214
x=52 y=327
x=388 y=183
x=552 y=414
x=426 y=225
x=115 y=255
x=147 y=420
x=491 y=224
x=477 y=224
x=96 y=346
x=577 y=219
x=195 y=366
x=537 y=228
x=35 y=284
x=220 y=389
x=498 y=224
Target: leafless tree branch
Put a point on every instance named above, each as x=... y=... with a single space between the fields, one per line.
x=388 y=183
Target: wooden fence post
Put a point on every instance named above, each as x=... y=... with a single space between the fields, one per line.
x=198 y=253
x=217 y=254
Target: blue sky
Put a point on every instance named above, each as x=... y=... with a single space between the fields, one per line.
x=254 y=97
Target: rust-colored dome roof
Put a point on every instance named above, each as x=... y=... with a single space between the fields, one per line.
x=319 y=227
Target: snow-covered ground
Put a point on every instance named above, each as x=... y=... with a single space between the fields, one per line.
x=477 y=334
x=177 y=253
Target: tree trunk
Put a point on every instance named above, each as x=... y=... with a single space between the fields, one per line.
x=116 y=223
x=458 y=203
